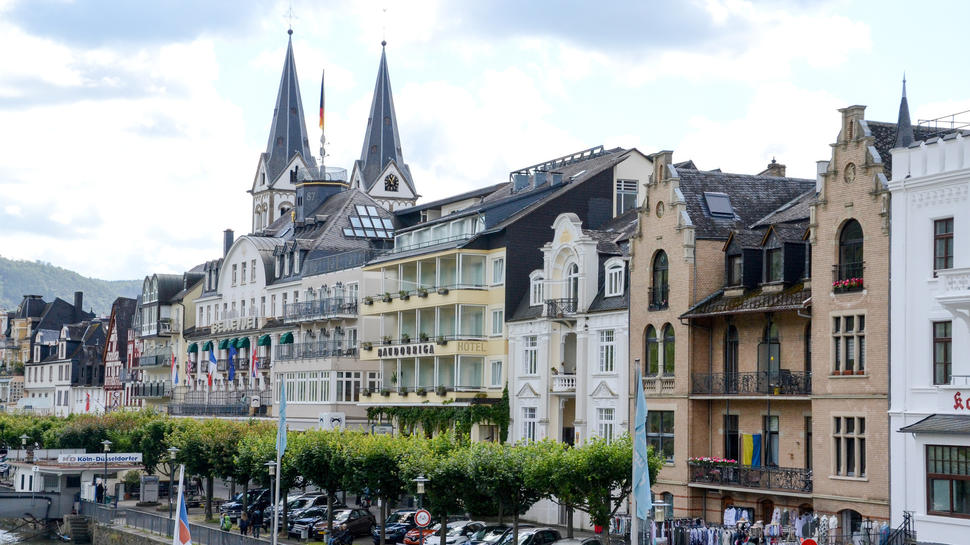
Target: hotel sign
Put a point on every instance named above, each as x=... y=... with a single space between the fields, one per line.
x=236 y=324
x=406 y=350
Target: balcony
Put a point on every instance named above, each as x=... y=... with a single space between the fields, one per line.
x=954 y=288
x=311 y=350
x=763 y=478
x=320 y=309
x=151 y=389
x=658 y=298
x=564 y=384
x=760 y=383
x=560 y=308
x=658 y=384
x=848 y=277
x=220 y=403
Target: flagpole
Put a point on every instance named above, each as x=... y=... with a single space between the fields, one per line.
x=276 y=500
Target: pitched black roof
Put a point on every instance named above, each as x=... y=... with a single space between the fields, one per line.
x=757 y=300
x=287 y=132
x=32 y=306
x=58 y=313
x=941 y=423
x=885 y=135
x=123 y=311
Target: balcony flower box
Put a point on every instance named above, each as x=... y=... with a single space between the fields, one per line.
x=403 y=392
x=422 y=292
x=367 y=346
x=385 y=392
x=442 y=341
x=403 y=294
x=365 y=393
x=386 y=297
x=860 y=372
x=405 y=339
x=423 y=337
x=386 y=339
x=848 y=284
x=368 y=300
x=421 y=392
x=442 y=291
x=441 y=391
x=712 y=461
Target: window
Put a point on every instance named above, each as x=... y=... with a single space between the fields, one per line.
x=849 y=344
x=734 y=277
x=234 y=274
x=659 y=289
x=262 y=305
x=529 y=423
x=773 y=267
x=604 y=419
x=770 y=427
x=942 y=244
x=531 y=355
x=948 y=480
x=498 y=322
x=535 y=291
x=369 y=224
x=731 y=346
x=496 y=373
x=572 y=283
x=808 y=442
x=252 y=269
x=626 y=195
x=849 y=440
x=850 y=251
x=348 y=385
x=668 y=349
x=373 y=381
x=769 y=356
x=732 y=436
x=242 y=278
x=498 y=271
x=652 y=347
x=942 y=352
x=614 y=280
x=660 y=433
x=607 y=351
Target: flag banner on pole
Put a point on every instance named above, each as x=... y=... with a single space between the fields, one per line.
x=212 y=365
x=281 y=430
x=641 y=466
x=254 y=361
x=321 y=99
x=182 y=534
x=175 y=371
x=232 y=363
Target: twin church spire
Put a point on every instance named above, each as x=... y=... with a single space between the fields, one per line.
x=287 y=132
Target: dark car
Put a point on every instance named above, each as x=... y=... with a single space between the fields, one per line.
x=458 y=533
x=298 y=505
x=397 y=524
x=492 y=534
x=306 y=520
x=577 y=541
x=359 y=522
x=233 y=508
x=532 y=536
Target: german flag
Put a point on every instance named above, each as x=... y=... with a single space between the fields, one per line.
x=321 y=98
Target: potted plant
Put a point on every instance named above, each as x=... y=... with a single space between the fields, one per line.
x=422 y=292
x=403 y=294
x=386 y=339
x=385 y=392
x=424 y=337
x=365 y=392
x=441 y=391
x=368 y=300
x=394 y=377
x=367 y=345
x=860 y=371
x=405 y=338
x=555 y=371
x=402 y=391
x=442 y=341
x=421 y=392
x=386 y=297
x=442 y=291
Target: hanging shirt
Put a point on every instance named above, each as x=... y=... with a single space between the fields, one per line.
x=729 y=517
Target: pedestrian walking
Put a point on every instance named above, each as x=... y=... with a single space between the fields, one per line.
x=243 y=523
x=226 y=523
x=256 y=522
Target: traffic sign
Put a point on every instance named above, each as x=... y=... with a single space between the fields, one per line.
x=422 y=518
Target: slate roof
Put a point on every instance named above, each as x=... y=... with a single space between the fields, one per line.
x=168 y=286
x=287 y=132
x=941 y=423
x=32 y=306
x=58 y=313
x=885 y=139
x=756 y=300
x=752 y=197
x=123 y=311
x=382 y=138
x=794 y=210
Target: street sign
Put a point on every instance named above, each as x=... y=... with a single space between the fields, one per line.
x=422 y=518
x=809 y=542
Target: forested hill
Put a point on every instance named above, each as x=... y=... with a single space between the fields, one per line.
x=19 y=278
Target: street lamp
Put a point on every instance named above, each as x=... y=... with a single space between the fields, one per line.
x=271 y=467
x=104 y=478
x=172 y=451
x=23 y=445
x=419 y=481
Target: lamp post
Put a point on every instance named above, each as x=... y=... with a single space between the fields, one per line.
x=172 y=451
x=419 y=482
x=23 y=445
x=271 y=467
x=104 y=478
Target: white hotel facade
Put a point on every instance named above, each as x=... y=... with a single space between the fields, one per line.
x=930 y=338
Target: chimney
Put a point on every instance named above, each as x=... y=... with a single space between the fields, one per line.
x=820 y=168
x=660 y=161
x=540 y=178
x=78 y=301
x=556 y=178
x=226 y=242
x=519 y=181
x=774 y=169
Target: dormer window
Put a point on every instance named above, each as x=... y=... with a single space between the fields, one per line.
x=535 y=289
x=62 y=351
x=773 y=265
x=614 y=279
x=734 y=268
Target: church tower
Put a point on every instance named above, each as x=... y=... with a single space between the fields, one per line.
x=287 y=158
x=381 y=171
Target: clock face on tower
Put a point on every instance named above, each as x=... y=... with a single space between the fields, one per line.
x=390 y=182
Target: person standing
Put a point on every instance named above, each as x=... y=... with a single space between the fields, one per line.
x=243 y=523
x=256 y=522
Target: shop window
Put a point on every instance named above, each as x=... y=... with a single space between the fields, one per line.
x=948 y=480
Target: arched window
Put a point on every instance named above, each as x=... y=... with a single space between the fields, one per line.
x=731 y=344
x=850 y=521
x=850 y=251
x=652 y=346
x=668 y=340
x=660 y=288
x=572 y=282
x=614 y=279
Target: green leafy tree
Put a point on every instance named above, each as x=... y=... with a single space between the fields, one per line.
x=323 y=458
x=206 y=448
x=376 y=466
x=444 y=463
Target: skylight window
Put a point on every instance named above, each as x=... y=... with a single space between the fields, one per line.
x=368 y=224
x=719 y=205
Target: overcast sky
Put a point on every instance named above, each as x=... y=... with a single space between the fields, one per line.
x=130 y=131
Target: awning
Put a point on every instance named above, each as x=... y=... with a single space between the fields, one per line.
x=941 y=423
x=233 y=342
x=242 y=342
x=287 y=338
x=193 y=348
x=207 y=346
x=263 y=340
x=224 y=344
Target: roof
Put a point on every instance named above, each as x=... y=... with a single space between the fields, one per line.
x=885 y=139
x=958 y=424
x=122 y=313
x=287 y=131
x=753 y=197
x=480 y=192
x=168 y=286
x=382 y=139
x=756 y=300
x=32 y=306
x=58 y=313
x=796 y=209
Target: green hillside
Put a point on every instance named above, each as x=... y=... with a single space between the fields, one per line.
x=18 y=278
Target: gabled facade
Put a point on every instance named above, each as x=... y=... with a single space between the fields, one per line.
x=116 y=352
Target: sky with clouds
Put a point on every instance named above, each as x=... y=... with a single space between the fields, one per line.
x=130 y=131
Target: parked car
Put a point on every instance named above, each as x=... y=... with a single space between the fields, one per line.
x=413 y=537
x=309 y=517
x=396 y=525
x=577 y=541
x=458 y=533
x=233 y=508
x=359 y=522
x=492 y=534
x=532 y=536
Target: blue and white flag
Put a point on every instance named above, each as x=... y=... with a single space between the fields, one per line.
x=281 y=430
x=232 y=363
x=641 y=466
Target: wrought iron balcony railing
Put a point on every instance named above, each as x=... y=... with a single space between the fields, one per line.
x=220 y=403
x=330 y=307
x=309 y=350
x=151 y=389
x=557 y=308
x=782 y=383
x=657 y=298
x=848 y=277
x=764 y=478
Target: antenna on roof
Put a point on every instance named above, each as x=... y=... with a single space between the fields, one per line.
x=384 y=26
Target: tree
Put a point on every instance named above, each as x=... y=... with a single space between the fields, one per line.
x=376 y=466
x=207 y=449
x=444 y=464
x=323 y=458
x=256 y=447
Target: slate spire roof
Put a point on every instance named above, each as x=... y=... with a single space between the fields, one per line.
x=287 y=132
x=904 y=127
x=382 y=139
